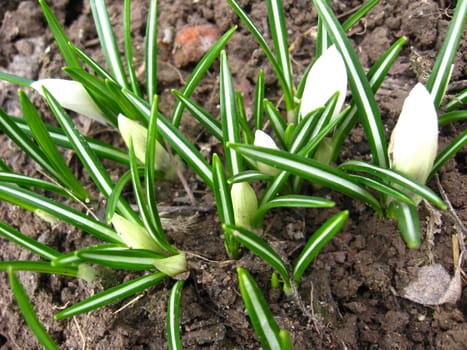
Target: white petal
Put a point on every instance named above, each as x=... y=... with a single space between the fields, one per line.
x=71 y=95
x=414 y=140
x=264 y=140
x=327 y=76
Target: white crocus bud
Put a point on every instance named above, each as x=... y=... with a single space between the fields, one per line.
x=264 y=140
x=244 y=203
x=134 y=235
x=327 y=76
x=71 y=95
x=414 y=140
x=138 y=134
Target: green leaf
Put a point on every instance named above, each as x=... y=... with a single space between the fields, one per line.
x=292 y=201
x=92 y=164
x=135 y=87
x=38 y=267
x=357 y=15
x=361 y=89
x=261 y=248
x=26 y=181
x=28 y=243
x=29 y=315
x=114 y=197
x=394 y=177
x=258 y=112
x=304 y=130
x=108 y=41
x=212 y=125
x=229 y=116
x=96 y=67
x=277 y=122
x=73 y=259
x=459 y=100
x=375 y=76
x=98 y=90
x=322 y=44
x=261 y=317
x=315 y=141
x=380 y=69
x=310 y=170
x=23 y=141
x=17 y=80
x=326 y=115
x=317 y=241
x=224 y=204
x=150 y=180
x=382 y=187
x=150 y=58
x=242 y=118
x=125 y=106
x=274 y=187
x=181 y=145
x=112 y=295
x=451 y=117
x=126 y=259
x=45 y=142
x=447 y=153
x=33 y=201
x=441 y=72
x=151 y=221
x=174 y=340
x=288 y=134
x=249 y=176
x=408 y=222
x=267 y=51
x=59 y=138
x=199 y=71
x=278 y=30
x=286 y=340
x=60 y=37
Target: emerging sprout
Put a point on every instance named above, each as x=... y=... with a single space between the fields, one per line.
x=327 y=75
x=134 y=235
x=172 y=265
x=244 y=203
x=71 y=95
x=414 y=140
x=264 y=140
x=86 y=272
x=132 y=130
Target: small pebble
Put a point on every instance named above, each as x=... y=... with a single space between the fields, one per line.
x=192 y=42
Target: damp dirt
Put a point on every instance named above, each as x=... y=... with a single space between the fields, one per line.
x=351 y=297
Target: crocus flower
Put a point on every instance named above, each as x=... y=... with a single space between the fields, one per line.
x=414 y=140
x=327 y=76
x=244 y=203
x=264 y=140
x=71 y=95
x=138 y=134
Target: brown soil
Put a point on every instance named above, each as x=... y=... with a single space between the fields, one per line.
x=353 y=289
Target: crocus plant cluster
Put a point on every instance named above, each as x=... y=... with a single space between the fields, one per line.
x=261 y=168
